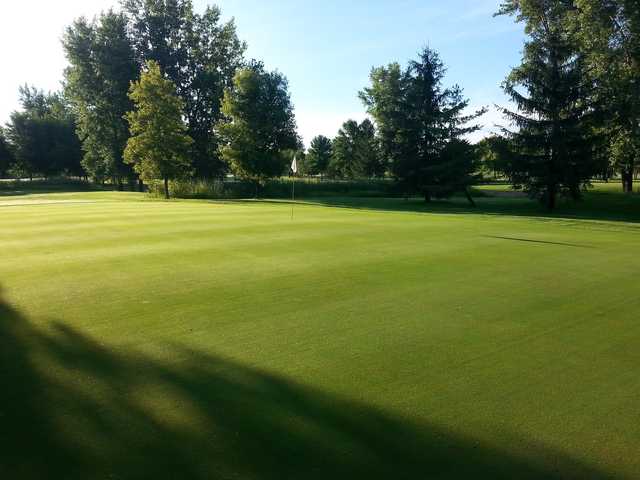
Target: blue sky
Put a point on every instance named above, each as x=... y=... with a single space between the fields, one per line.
x=325 y=48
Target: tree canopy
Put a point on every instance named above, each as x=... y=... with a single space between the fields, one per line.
x=42 y=135
x=319 y=155
x=101 y=68
x=200 y=54
x=608 y=35
x=159 y=145
x=555 y=136
x=355 y=151
x=258 y=125
x=6 y=155
x=417 y=118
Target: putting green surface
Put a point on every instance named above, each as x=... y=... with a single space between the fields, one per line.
x=148 y=339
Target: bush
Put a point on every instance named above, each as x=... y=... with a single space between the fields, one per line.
x=279 y=188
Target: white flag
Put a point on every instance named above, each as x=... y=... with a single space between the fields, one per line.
x=294 y=165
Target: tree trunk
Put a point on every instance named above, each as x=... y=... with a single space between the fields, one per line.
x=627 y=180
x=140 y=185
x=469 y=197
x=166 y=188
x=551 y=197
x=427 y=197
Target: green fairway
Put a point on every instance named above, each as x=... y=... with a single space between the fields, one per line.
x=362 y=339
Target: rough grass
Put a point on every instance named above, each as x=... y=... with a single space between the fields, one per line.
x=363 y=339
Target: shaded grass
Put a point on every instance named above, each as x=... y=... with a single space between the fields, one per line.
x=223 y=340
x=128 y=415
x=599 y=204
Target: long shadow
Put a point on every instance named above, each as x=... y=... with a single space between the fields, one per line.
x=595 y=206
x=543 y=242
x=71 y=408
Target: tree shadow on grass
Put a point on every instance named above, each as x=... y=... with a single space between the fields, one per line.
x=72 y=408
x=595 y=206
x=25 y=187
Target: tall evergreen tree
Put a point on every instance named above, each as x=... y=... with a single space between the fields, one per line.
x=417 y=118
x=609 y=35
x=554 y=141
x=102 y=66
x=159 y=145
x=200 y=55
x=259 y=125
x=319 y=155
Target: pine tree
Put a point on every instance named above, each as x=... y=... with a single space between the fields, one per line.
x=417 y=119
x=319 y=155
x=158 y=146
x=554 y=141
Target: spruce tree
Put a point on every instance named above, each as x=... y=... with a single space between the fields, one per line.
x=319 y=155
x=417 y=119
x=554 y=137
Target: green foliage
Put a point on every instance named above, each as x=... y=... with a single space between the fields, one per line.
x=101 y=68
x=275 y=188
x=42 y=136
x=608 y=32
x=495 y=154
x=158 y=146
x=259 y=124
x=417 y=118
x=200 y=55
x=555 y=141
x=6 y=155
x=319 y=156
x=355 y=152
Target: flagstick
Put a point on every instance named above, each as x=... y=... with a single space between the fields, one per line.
x=294 y=171
x=293 y=193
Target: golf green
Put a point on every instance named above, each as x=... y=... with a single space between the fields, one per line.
x=198 y=340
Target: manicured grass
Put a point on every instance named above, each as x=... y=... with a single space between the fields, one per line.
x=197 y=340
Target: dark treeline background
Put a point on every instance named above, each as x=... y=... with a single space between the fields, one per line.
x=576 y=95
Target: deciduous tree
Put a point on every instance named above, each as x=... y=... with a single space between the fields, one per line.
x=355 y=151
x=101 y=68
x=200 y=54
x=258 y=125
x=42 y=135
x=6 y=155
x=159 y=145
x=609 y=36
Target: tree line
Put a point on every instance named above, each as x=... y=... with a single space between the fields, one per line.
x=157 y=91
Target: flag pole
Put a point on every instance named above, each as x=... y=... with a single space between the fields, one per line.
x=294 y=171
x=293 y=193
